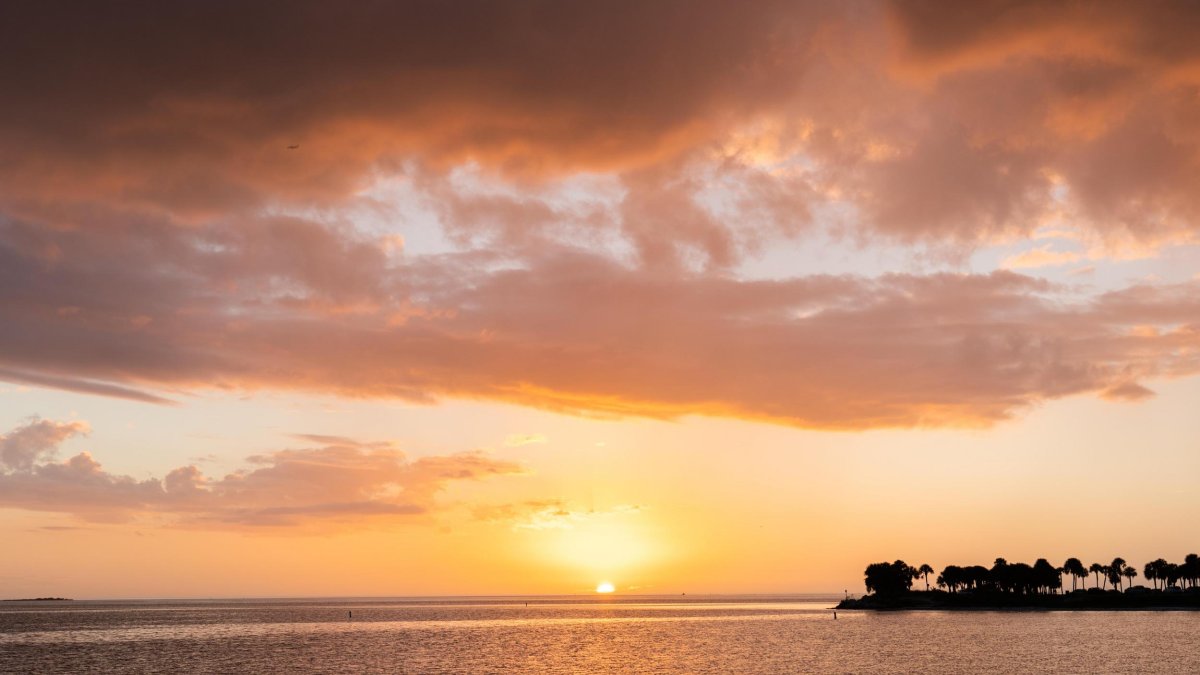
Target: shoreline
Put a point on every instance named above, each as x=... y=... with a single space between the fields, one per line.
x=992 y=601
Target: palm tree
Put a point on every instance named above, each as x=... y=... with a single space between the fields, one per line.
x=925 y=570
x=1115 y=569
x=1171 y=573
x=1129 y=573
x=1076 y=569
x=1191 y=568
x=1161 y=571
x=1096 y=568
x=1150 y=571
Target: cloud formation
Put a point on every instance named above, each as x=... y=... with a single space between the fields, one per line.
x=579 y=332
x=600 y=171
x=35 y=441
x=517 y=440
x=931 y=119
x=340 y=481
x=549 y=514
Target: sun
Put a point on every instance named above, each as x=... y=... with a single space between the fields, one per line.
x=605 y=587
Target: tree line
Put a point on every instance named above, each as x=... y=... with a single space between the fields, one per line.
x=1042 y=577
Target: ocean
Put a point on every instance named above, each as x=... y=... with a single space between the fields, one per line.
x=577 y=634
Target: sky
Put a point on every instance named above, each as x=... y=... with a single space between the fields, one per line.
x=428 y=298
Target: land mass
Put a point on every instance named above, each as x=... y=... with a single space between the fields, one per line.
x=36 y=600
x=1077 y=600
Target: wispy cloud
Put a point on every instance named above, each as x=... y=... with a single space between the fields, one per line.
x=517 y=440
x=549 y=514
x=1042 y=256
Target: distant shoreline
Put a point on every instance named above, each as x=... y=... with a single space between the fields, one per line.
x=1077 y=600
x=826 y=599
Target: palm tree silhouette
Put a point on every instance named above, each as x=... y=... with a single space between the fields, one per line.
x=925 y=570
x=1115 y=569
x=1129 y=573
x=1172 y=573
x=1162 y=570
x=1076 y=569
x=1021 y=579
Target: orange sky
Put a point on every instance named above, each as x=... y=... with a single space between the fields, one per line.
x=517 y=298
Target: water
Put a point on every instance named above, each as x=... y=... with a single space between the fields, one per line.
x=581 y=635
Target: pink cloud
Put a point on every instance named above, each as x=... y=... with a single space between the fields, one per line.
x=35 y=441
x=578 y=332
x=1042 y=256
x=343 y=482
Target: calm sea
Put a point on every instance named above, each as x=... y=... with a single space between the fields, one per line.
x=581 y=635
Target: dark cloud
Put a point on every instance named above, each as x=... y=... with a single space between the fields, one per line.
x=933 y=119
x=157 y=236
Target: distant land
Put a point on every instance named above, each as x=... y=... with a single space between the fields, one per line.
x=36 y=600
x=1072 y=600
x=1038 y=586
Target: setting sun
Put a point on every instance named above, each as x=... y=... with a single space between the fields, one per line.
x=605 y=587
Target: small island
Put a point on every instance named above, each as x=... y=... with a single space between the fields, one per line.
x=36 y=600
x=1039 y=586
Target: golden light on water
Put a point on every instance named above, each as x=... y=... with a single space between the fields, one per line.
x=605 y=587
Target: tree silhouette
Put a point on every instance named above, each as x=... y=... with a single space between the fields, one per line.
x=1046 y=577
x=1129 y=573
x=1115 y=569
x=1021 y=578
x=1172 y=573
x=1162 y=570
x=951 y=577
x=1150 y=571
x=999 y=574
x=925 y=570
x=1076 y=569
x=1042 y=577
x=888 y=578
x=1191 y=569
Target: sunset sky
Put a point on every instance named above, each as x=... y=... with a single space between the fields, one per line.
x=311 y=299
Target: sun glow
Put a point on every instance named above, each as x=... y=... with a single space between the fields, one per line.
x=605 y=587
x=602 y=547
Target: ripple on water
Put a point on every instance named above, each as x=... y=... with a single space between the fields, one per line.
x=548 y=637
